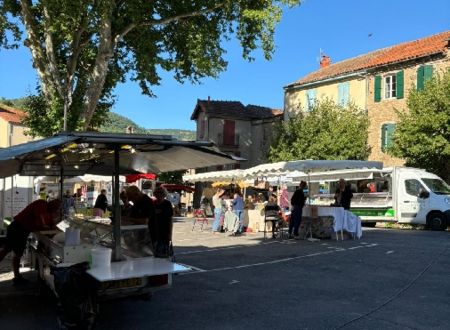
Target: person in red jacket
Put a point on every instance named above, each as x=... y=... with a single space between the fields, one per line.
x=37 y=216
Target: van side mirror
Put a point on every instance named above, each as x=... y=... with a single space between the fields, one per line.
x=424 y=194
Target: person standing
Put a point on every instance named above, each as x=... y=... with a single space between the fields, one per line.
x=37 y=216
x=101 y=204
x=238 y=209
x=297 y=203
x=161 y=217
x=284 y=198
x=67 y=202
x=343 y=195
x=218 y=209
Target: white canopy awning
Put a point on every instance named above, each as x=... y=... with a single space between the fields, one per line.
x=231 y=176
x=303 y=167
x=77 y=179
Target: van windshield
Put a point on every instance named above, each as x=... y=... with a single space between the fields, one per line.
x=437 y=186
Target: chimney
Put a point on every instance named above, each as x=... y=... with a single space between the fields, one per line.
x=324 y=61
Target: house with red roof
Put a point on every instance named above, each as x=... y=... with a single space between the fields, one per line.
x=12 y=131
x=245 y=131
x=378 y=82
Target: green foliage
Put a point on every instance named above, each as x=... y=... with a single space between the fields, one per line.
x=116 y=123
x=82 y=49
x=328 y=131
x=422 y=135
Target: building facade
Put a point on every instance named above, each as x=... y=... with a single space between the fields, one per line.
x=378 y=82
x=243 y=131
x=12 y=132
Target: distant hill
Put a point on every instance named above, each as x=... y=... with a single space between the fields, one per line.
x=118 y=124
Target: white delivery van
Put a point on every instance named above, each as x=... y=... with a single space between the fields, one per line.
x=396 y=194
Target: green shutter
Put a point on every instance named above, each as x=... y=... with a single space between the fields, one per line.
x=428 y=72
x=377 y=90
x=383 y=139
x=400 y=84
x=420 y=75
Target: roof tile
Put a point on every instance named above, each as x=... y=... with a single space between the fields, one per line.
x=432 y=45
x=11 y=114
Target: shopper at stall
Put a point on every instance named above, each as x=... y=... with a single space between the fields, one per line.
x=238 y=209
x=284 y=198
x=37 y=216
x=161 y=224
x=344 y=195
x=101 y=204
x=142 y=205
x=218 y=209
x=272 y=213
x=297 y=203
x=67 y=203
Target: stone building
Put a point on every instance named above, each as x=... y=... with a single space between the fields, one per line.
x=243 y=131
x=378 y=82
x=12 y=132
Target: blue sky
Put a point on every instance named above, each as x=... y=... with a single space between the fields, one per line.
x=340 y=28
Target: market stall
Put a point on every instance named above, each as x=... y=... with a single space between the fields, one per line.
x=288 y=172
x=73 y=154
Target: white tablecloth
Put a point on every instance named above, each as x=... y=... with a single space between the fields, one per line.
x=343 y=220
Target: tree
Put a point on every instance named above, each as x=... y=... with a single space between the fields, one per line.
x=328 y=131
x=82 y=49
x=422 y=135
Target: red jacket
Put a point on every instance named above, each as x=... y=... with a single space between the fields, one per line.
x=35 y=216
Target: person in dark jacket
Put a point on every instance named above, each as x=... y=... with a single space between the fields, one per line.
x=101 y=204
x=297 y=203
x=343 y=195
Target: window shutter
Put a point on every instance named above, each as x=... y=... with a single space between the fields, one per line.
x=400 y=84
x=377 y=90
x=383 y=137
x=340 y=94
x=427 y=72
x=346 y=92
x=420 y=76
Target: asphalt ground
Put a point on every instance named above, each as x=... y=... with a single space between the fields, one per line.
x=389 y=279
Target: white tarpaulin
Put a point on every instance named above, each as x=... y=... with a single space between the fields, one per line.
x=78 y=179
x=308 y=166
x=225 y=176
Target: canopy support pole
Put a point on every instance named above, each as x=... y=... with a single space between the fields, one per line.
x=116 y=207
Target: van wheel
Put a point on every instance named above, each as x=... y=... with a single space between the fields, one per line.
x=437 y=221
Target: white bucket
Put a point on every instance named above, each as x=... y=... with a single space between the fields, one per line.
x=101 y=257
x=72 y=236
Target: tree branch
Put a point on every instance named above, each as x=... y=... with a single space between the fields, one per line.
x=165 y=21
x=50 y=52
x=33 y=44
x=100 y=70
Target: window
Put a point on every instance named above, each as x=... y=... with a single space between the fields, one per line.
x=413 y=187
x=202 y=128
x=229 y=133
x=387 y=134
x=437 y=186
x=310 y=99
x=343 y=93
x=390 y=87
